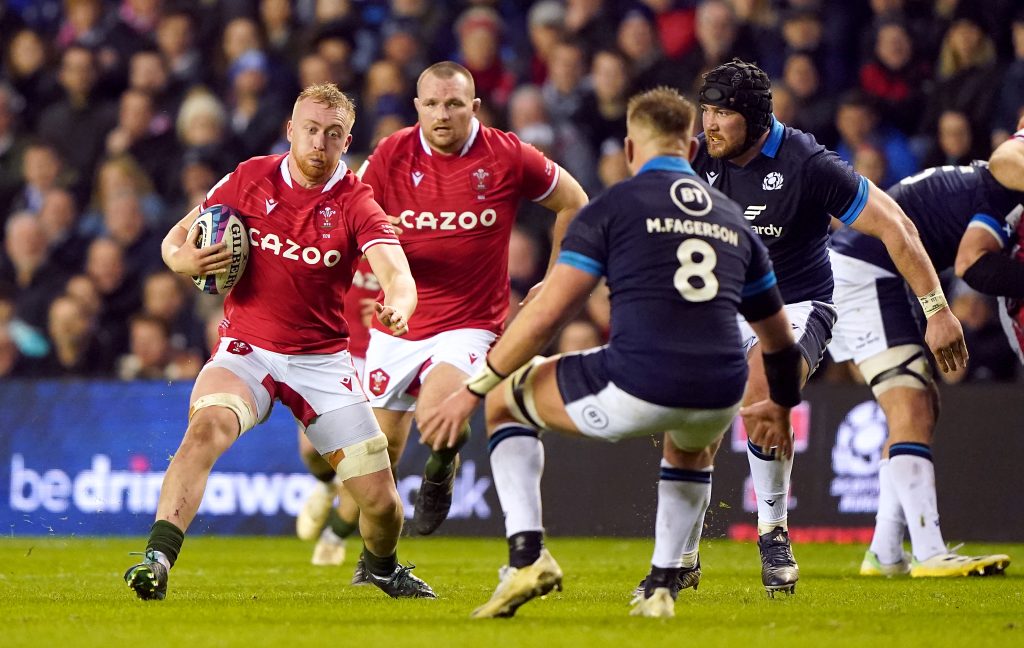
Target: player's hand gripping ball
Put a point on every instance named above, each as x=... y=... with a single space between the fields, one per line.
x=215 y=224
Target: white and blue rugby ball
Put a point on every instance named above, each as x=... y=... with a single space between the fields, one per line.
x=219 y=223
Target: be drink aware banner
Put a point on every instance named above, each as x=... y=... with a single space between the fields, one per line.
x=88 y=458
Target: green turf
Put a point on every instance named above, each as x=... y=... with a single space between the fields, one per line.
x=256 y=592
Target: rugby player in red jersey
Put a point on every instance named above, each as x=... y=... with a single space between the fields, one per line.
x=451 y=186
x=284 y=335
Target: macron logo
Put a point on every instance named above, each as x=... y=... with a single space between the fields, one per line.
x=417 y=178
x=271 y=203
x=712 y=176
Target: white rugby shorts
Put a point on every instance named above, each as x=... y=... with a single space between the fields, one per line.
x=875 y=312
x=308 y=385
x=812 y=323
x=395 y=368
x=607 y=412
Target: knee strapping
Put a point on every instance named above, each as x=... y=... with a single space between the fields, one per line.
x=901 y=366
x=233 y=402
x=519 y=396
x=364 y=458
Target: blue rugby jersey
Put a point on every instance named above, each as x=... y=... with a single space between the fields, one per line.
x=788 y=195
x=680 y=262
x=943 y=202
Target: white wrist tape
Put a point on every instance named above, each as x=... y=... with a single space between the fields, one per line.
x=484 y=381
x=933 y=302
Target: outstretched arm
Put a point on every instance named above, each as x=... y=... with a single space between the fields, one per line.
x=392 y=271
x=883 y=219
x=558 y=300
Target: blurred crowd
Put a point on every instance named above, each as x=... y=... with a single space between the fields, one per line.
x=116 y=116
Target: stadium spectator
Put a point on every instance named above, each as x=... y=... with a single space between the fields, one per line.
x=82 y=288
x=991 y=358
x=783 y=103
x=175 y=38
x=637 y=40
x=858 y=123
x=84 y=24
x=26 y=265
x=893 y=77
x=202 y=125
x=58 y=217
x=25 y=66
x=815 y=110
x=524 y=256
x=75 y=349
x=954 y=142
x=256 y=110
x=602 y=113
x=284 y=36
x=12 y=148
x=336 y=43
x=479 y=31
x=116 y=176
x=125 y=224
x=718 y=40
x=529 y=120
x=968 y=76
x=149 y=350
x=41 y=171
x=156 y=152
x=1010 y=105
x=402 y=43
x=591 y=21
x=566 y=87
x=119 y=292
x=148 y=72
x=239 y=36
x=164 y=297
x=869 y=161
x=78 y=124
x=546 y=23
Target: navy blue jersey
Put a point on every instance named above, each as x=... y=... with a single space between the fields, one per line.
x=943 y=202
x=680 y=262
x=788 y=194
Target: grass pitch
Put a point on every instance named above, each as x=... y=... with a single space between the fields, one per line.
x=257 y=592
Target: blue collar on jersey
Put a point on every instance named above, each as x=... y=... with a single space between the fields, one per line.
x=667 y=163
x=771 y=145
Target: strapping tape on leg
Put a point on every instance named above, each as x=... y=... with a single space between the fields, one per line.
x=901 y=366
x=519 y=395
x=233 y=402
x=364 y=458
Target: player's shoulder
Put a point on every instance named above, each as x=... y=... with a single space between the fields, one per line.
x=259 y=167
x=400 y=142
x=793 y=146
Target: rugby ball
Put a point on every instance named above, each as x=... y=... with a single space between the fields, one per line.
x=219 y=223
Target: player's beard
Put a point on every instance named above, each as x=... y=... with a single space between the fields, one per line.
x=726 y=150
x=313 y=172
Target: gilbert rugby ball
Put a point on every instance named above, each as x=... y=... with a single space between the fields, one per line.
x=221 y=223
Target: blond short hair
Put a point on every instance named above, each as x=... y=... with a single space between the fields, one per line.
x=333 y=97
x=664 y=111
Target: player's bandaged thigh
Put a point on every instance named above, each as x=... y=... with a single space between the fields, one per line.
x=364 y=458
x=702 y=428
x=905 y=365
x=355 y=432
x=233 y=402
x=519 y=394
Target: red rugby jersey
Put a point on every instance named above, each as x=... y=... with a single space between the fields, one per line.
x=364 y=286
x=304 y=245
x=457 y=213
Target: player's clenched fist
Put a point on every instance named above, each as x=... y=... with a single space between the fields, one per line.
x=391 y=318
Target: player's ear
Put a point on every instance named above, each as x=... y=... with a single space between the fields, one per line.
x=288 y=131
x=348 y=143
x=476 y=106
x=629 y=150
x=694 y=145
